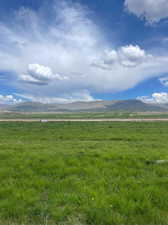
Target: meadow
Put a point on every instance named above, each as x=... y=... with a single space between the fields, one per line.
x=73 y=173
x=84 y=115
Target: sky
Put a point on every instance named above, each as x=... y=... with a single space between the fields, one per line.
x=61 y=51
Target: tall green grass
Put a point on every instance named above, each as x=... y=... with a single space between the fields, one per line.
x=83 y=173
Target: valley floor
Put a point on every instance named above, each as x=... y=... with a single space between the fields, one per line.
x=102 y=116
x=74 y=173
x=87 y=120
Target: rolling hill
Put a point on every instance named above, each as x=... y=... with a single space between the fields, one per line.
x=95 y=106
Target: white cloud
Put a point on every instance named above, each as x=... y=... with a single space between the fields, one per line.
x=126 y=56
x=164 y=81
x=39 y=74
x=69 y=54
x=29 y=79
x=132 y=55
x=157 y=98
x=9 y=99
x=151 y=10
x=106 y=60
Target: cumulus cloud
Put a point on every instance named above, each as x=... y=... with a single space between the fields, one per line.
x=164 y=81
x=68 y=53
x=126 y=56
x=39 y=74
x=151 y=10
x=156 y=98
x=106 y=60
x=132 y=55
x=9 y=99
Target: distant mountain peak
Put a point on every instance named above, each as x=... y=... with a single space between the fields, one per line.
x=131 y=105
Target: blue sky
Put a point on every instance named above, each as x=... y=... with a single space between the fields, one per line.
x=80 y=50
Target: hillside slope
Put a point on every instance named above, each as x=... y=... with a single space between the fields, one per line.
x=96 y=106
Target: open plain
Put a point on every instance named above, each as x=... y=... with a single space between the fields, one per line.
x=88 y=120
x=90 y=173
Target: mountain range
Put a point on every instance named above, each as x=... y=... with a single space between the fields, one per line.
x=94 y=106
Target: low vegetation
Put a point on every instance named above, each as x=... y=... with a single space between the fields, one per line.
x=83 y=173
x=83 y=115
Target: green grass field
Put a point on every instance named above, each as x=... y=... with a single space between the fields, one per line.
x=82 y=115
x=83 y=173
